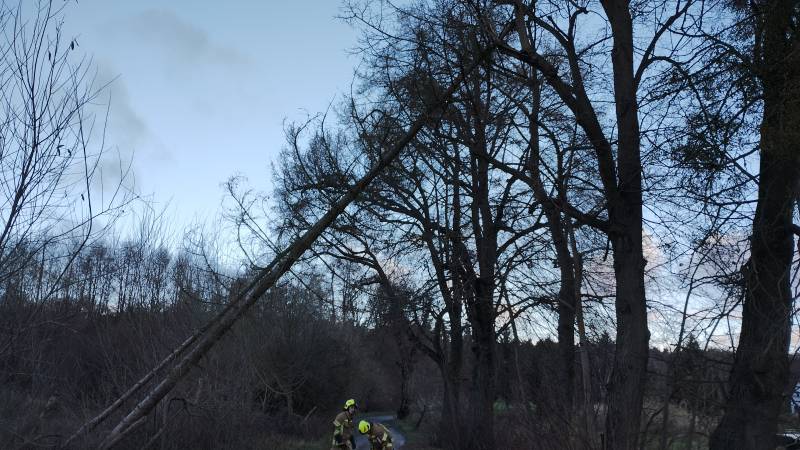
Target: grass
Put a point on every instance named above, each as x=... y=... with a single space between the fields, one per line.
x=293 y=443
x=416 y=439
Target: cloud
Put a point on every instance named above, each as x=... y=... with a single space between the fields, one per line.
x=127 y=132
x=184 y=45
x=125 y=123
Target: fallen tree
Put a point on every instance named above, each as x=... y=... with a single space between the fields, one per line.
x=212 y=332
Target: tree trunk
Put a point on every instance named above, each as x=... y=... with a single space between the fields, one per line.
x=626 y=390
x=665 y=424
x=451 y=428
x=690 y=434
x=406 y=369
x=567 y=291
x=481 y=308
x=566 y=314
x=450 y=431
x=587 y=410
x=481 y=420
x=760 y=370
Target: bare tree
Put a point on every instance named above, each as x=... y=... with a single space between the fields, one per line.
x=619 y=160
x=197 y=345
x=760 y=371
x=49 y=156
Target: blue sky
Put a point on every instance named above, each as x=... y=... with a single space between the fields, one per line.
x=201 y=88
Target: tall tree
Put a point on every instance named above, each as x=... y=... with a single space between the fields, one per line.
x=760 y=370
x=48 y=161
x=620 y=172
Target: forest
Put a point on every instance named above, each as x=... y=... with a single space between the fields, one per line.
x=530 y=224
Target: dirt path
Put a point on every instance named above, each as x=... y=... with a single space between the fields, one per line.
x=397 y=439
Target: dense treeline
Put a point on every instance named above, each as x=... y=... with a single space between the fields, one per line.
x=264 y=386
x=287 y=366
x=282 y=373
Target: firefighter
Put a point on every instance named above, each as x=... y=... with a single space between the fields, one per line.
x=343 y=437
x=378 y=435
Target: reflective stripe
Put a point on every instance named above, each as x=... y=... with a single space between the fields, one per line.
x=338 y=428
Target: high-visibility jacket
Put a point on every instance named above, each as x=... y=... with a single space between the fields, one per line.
x=342 y=430
x=379 y=437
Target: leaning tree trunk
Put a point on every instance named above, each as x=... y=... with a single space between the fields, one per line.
x=760 y=370
x=270 y=275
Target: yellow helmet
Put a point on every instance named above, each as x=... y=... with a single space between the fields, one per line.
x=350 y=403
x=363 y=427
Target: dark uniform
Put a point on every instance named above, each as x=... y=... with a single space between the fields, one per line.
x=343 y=432
x=379 y=437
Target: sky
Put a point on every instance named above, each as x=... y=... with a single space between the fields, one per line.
x=201 y=89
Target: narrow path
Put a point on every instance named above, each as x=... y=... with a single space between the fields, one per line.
x=397 y=439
